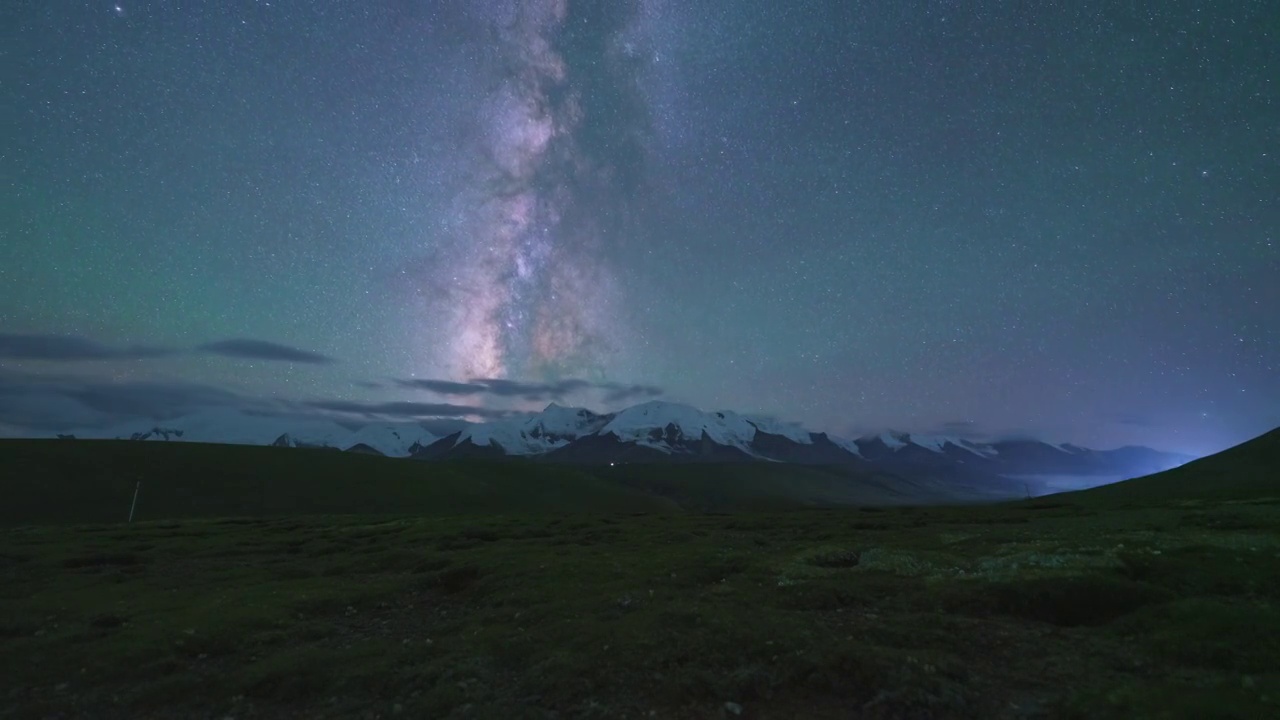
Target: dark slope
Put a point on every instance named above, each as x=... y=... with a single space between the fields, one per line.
x=1249 y=470
x=448 y=448
x=93 y=481
x=819 y=452
x=759 y=486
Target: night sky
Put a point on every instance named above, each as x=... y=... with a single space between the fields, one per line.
x=982 y=218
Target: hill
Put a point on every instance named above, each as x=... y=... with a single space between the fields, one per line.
x=94 y=480
x=1247 y=471
x=524 y=589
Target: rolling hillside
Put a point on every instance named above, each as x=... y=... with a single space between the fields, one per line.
x=94 y=480
x=1249 y=470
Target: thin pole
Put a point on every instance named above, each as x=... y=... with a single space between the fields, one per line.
x=134 y=505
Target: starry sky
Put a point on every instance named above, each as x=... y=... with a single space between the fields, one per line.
x=986 y=218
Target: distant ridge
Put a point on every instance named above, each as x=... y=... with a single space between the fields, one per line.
x=664 y=433
x=228 y=426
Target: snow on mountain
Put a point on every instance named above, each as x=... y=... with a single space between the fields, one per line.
x=390 y=439
x=985 y=451
x=847 y=445
x=938 y=443
x=794 y=432
x=662 y=425
x=896 y=441
x=935 y=443
x=891 y=440
x=554 y=427
x=566 y=422
x=655 y=432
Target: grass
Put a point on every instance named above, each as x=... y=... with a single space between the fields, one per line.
x=58 y=481
x=471 y=606
x=926 y=613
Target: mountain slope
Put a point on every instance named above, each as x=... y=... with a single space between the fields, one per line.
x=389 y=439
x=674 y=428
x=553 y=428
x=1248 y=470
x=54 y=481
x=665 y=432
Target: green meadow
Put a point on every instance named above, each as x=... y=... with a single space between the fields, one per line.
x=268 y=582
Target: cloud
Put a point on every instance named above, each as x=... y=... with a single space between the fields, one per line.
x=150 y=399
x=494 y=387
x=532 y=391
x=616 y=392
x=405 y=409
x=264 y=350
x=966 y=429
x=47 y=402
x=70 y=348
x=42 y=404
x=442 y=387
x=75 y=348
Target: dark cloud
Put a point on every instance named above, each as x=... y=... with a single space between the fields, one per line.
x=41 y=404
x=1017 y=436
x=367 y=384
x=405 y=409
x=74 y=348
x=70 y=348
x=618 y=393
x=532 y=391
x=44 y=402
x=248 y=349
x=613 y=392
x=966 y=429
x=442 y=387
x=150 y=399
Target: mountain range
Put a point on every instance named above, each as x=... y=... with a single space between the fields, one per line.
x=662 y=433
x=229 y=426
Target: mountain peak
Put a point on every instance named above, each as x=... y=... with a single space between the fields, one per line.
x=535 y=434
x=662 y=425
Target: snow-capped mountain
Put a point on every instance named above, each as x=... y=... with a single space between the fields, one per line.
x=1012 y=458
x=658 y=432
x=663 y=432
x=390 y=439
x=894 y=442
x=672 y=427
x=553 y=428
x=653 y=431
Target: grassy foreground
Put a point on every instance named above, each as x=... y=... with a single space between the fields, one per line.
x=1053 y=608
x=85 y=481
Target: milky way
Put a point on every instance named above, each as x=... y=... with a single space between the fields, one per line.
x=530 y=294
x=990 y=218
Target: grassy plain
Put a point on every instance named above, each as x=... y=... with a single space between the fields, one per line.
x=598 y=600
